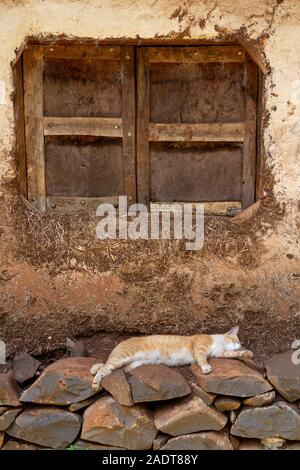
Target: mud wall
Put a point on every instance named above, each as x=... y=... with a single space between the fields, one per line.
x=57 y=280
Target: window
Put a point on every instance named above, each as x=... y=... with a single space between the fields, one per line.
x=158 y=124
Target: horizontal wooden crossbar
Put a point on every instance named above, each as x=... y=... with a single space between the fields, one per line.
x=215 y=132
x=82 y=52
x=76 y=203
x=196 y=54
x=103 y=127
x=210 y=208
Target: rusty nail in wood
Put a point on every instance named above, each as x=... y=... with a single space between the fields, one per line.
x=117 y=126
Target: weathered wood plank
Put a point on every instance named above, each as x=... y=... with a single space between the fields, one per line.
x=249 y=150
x=34 y=125
x=184 y=55
x=128 y=121
x=105 y=127
x=213 y=132
x=210 y=208
x=20 y=128
x=83 y=51
x=143 y=117
x=75 y=204
x=259 y=158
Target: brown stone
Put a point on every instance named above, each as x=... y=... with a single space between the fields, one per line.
x=3 y=409
x=160 y=440
x=116 y=384
x=235 y=442
x=80 y=444
x=24 y=367
x=2 y=434
x=108 y=422
x=64 y=382
x=76 y=348
x=261 y=400
x=12 y=444
x=82 y=404
x=227 y=403
x=280 y=419
x=9 y=391
x=207 y=397
x=251 y=444
x=232 y=416
x=8 y=417
x=200 y=441
x=284 y=375
x=155 y=383
x=273 y=443
x=187 y=415
x=46 y=426
x=231 y=377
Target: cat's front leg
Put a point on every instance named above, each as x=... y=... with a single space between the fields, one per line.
x=201 y=360
x=104 y=370
x=237 y=354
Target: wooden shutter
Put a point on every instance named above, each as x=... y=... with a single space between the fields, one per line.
x=80 y=125
x=196 y=138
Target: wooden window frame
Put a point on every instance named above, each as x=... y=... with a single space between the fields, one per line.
x=243 y=132
x=134 y=128
x=37 y=126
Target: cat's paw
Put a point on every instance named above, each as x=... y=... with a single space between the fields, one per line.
x=206 y=369
x=248 y=354
x=95 y=368
x=96 y=384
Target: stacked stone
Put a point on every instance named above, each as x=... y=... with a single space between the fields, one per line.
x=154 y=407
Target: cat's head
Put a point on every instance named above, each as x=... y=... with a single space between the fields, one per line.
x=232 y=342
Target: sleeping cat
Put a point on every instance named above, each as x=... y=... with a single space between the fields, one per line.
x=170 y=350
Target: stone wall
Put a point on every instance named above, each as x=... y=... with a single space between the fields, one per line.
x=235 y=407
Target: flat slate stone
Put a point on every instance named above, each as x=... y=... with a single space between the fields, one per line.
x=80 y=444
x=12 y=444
x=64 y=382
x=46 y=426
x=207 y=397
x=200 y=441
x=9 y=391
x=231 y=377
x=188 y=415
x=24 y=367
x=8 y=417
x=280 y=419
x=284 y=375
x=117 y=385
x=108 y=422
x=156 y=383
x=261 y=400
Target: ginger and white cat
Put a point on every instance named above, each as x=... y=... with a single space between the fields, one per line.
x=170 y=350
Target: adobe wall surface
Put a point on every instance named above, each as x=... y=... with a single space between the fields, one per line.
x=51 y=268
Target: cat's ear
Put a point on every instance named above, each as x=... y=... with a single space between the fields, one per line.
x=233 y=331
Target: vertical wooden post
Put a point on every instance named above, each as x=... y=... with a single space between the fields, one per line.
x=128 y=118
x=249 y=150
x=259 y=135
x=143 y=176
x=20 y=128
x=34 y=128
